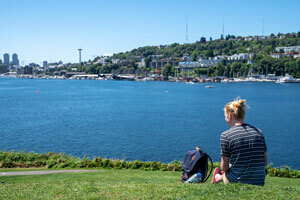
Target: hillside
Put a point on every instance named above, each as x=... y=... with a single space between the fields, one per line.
x=232 y=56
x=227 y=46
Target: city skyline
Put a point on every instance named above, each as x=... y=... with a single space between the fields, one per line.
x=55 y=30
x=10 y=61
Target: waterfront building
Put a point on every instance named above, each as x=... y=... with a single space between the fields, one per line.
x=70 y=74
x=60 y=73
x=186 y=67
x=6 y=58
x=15 y=60
x=25 y=70
x=3 y=68
x=0 y=61
x=45 y=63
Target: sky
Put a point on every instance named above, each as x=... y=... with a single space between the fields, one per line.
x=53 y=30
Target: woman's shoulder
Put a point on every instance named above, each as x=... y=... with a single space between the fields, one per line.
x=226 y=133
x=248 y=126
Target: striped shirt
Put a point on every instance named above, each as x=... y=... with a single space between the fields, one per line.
x=244 y=145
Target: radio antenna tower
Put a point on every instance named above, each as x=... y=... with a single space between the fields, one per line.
x=79 y=55
x=186 y=31
x=223 y=27
x=263 y=27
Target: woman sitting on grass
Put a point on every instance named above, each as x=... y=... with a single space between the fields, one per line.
x=243 y=149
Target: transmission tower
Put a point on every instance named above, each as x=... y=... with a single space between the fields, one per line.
x=223 y=27
x=186 y=32
x=263 y=27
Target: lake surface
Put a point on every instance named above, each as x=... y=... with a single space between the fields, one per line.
x=142 y=120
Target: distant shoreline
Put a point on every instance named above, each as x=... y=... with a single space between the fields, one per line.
x=286 y=79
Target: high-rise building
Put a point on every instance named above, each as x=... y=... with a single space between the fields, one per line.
x=0 y=61
x=15 y=60
x=45 y=63
x=6 y=58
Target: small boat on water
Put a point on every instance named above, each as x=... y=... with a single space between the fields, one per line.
x=286 y=79
x=190 y=82
x=209 y=86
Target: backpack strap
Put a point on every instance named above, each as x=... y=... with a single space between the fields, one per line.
x=212 y=166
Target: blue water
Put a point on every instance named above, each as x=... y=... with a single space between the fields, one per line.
x=142 y=120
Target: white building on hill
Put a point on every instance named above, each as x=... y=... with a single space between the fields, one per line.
x=289 y=49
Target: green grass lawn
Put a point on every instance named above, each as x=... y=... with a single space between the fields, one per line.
x=138 y=184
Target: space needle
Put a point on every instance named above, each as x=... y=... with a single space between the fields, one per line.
x=79 y=55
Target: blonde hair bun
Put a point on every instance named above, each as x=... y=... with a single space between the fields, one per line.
x=237 y=108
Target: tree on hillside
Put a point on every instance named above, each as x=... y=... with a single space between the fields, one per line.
x=147 y=61
x=105 y=69
x=168 y=70
x=235 y=69
x=211 y=71
x=133 y=64
x=272 y=35
x=227 y=71
x=203 y=40
x=209 y=54
x=219 y=69
x=200 y=71
x=91 y=69
x=298 y=66
x=195 y=54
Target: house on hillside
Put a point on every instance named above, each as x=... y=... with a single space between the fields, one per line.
x=240 y=56
x=209 y=62
x=288 y=49
x=281 y=55
x=161 y=62
x=297 y=55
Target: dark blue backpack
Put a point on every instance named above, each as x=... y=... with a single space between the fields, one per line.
x=196 y=161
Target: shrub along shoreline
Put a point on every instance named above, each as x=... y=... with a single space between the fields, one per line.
x=53 y=160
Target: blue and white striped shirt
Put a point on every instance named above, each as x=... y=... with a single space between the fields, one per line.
x=244 y=145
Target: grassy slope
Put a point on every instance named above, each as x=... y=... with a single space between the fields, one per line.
x=138 y=184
